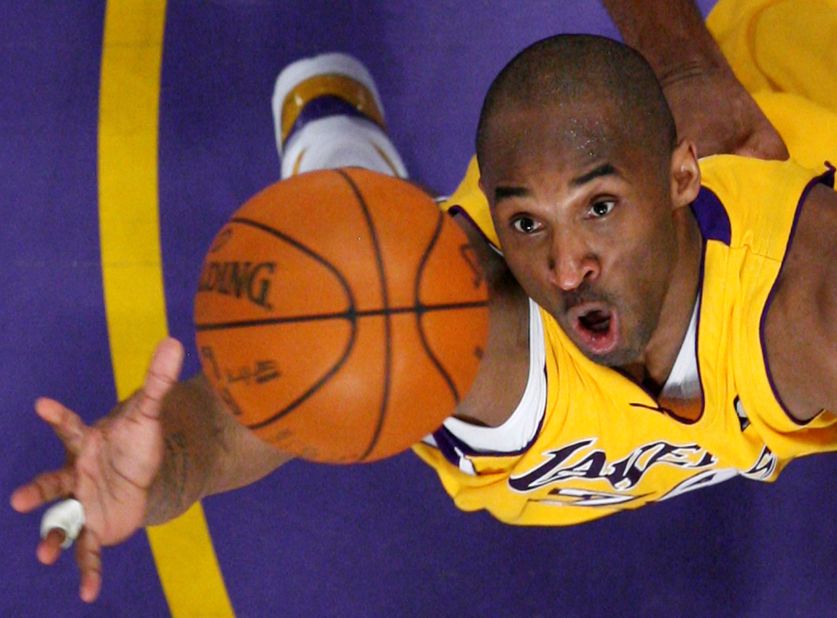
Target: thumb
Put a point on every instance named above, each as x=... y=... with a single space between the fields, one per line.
x=163 y=372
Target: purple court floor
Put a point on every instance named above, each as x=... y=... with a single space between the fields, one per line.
x=377 y=540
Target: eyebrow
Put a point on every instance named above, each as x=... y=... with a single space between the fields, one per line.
x=502 y=193
x=606 y=169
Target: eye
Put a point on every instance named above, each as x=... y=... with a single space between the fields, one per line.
x=525 y=225
x=602 y=208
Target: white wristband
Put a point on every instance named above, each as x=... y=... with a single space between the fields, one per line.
x=67 y=516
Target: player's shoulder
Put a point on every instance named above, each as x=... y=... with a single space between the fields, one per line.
x=753 y=169
x=743 y=200
x=469 y=199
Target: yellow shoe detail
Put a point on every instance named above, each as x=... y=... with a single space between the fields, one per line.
x=346 y=88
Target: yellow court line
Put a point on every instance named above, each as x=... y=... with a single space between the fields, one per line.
x=132 y=268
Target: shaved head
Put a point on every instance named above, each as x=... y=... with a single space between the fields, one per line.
x=613 y=84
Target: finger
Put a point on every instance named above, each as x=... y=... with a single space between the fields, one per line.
x=66 y=516
x=64 y=422
x=49 y=549
x=44 y=488
x=162 y=374
x=89 y=560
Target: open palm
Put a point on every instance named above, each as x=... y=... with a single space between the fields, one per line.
x=109 y=469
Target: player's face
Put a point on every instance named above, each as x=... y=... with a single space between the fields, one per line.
x=585 y=220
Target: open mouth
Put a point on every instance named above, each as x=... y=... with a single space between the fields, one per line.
x=596 y=321
x=596 y=327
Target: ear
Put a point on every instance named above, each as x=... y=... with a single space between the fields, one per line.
x=685 y=174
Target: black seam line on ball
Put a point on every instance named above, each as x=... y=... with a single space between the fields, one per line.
x=387 y=316
x=437 y=232
x=351 y=316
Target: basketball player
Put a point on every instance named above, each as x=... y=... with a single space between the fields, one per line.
x=633 y=433
x=678 y=302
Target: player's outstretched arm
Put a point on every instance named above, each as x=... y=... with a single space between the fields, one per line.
x=709 y=104
x=155 y=454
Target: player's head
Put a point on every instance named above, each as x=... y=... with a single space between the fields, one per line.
x=580 y=163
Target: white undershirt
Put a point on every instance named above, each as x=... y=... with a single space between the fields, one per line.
x=684 y=381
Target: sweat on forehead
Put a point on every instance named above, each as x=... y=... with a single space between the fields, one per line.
x=561 y=74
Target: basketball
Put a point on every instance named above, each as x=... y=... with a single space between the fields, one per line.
x=341 y=315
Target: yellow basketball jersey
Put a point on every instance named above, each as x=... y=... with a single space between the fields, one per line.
x=605 y=444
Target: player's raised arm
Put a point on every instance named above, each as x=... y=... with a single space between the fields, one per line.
x=800 y=332
x=709 y=104
x=155 y=454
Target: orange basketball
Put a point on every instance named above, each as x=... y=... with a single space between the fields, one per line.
x=341 y=315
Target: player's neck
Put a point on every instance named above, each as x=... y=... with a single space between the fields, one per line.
x=678 y=303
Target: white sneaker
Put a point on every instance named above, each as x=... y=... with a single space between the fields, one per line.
x=327 y=113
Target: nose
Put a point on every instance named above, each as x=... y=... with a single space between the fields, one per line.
x=572 y=261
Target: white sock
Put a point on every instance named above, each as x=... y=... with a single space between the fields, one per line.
x=341 y=141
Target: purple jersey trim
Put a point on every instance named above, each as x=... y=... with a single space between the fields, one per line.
x=322 y=107
x=447 y=443
x=827 y=179
x=711 y=216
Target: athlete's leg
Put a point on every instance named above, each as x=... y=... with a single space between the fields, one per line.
x=327 y=113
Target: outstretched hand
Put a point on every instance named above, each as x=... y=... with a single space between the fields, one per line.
x=109 y=469
x=713 y=109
